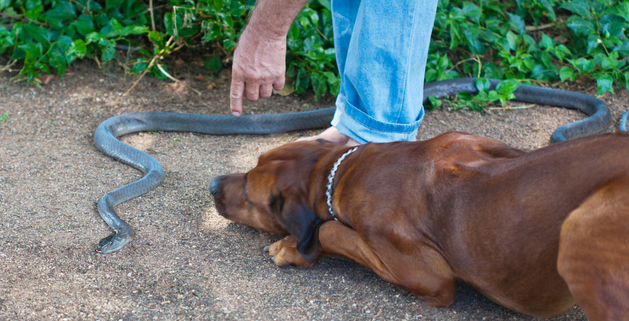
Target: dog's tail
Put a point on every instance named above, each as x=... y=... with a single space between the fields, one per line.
x=623 y=121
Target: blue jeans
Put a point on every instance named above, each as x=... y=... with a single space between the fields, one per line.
x=381 y=51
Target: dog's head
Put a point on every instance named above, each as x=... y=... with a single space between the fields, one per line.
x=273 y=196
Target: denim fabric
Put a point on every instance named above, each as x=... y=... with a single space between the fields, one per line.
x=381 y=50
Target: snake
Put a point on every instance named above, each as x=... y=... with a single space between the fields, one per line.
x=107 y=134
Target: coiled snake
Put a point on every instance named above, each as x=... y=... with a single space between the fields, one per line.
x=107 y=133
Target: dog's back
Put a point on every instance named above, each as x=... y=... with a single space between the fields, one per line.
x=497 y=212
x=584 y=183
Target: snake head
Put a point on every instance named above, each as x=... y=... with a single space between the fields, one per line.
x=112 y=243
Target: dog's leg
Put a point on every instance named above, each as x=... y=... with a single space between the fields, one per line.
x=285 y=252
x=594 y=253
x=428 y=276
x=430 y=279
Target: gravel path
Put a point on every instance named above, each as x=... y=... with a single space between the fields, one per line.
x=186 y=262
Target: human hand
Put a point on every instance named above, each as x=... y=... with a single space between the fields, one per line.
x=259 y=66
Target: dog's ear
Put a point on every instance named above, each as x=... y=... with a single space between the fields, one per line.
x=302 y=224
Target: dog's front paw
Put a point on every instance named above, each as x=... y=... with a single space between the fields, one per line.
x=285 y=252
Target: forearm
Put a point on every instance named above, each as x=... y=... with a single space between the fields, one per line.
x=273 y=18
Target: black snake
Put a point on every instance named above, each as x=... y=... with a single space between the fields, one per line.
x=107 y=133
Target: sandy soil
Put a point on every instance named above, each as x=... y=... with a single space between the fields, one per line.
x=186 y=262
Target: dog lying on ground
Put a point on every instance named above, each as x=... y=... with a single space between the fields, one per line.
x=535 y=231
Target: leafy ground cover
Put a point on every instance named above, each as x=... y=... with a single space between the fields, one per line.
x=528 y=41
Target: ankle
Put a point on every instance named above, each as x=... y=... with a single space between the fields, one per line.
x=332 y=135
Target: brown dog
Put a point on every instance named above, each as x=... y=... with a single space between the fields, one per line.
x=535 y=232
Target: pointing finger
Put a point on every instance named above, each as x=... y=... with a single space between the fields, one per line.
x=235 y=96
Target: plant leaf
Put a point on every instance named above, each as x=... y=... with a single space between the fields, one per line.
x=62 y=12
x=39 y=33
x=482 y=84
x=579 y=7
x=566 y=73
x=580 y=25
x=84 y=25
x=507 y=87
x=604 y=83
x=109 y=4
x=57 y=59
x=434 y=102
x=516 y=22
x=472 y=11
x=108 y=52
x=546 y=42
x=512 y=40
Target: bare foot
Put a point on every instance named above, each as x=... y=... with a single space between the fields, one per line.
x=332 y=134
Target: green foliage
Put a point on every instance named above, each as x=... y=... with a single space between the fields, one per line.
x=533 y=40
x=530 y=40
x=310 y=57
x=464 y=100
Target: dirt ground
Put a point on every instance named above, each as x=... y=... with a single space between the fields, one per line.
x=186 y=262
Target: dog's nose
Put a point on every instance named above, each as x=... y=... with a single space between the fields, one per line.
x=215 y=185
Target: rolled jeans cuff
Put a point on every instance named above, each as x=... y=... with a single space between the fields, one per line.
x=354 y=123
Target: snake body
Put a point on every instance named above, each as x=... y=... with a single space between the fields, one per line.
x=107 y=133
